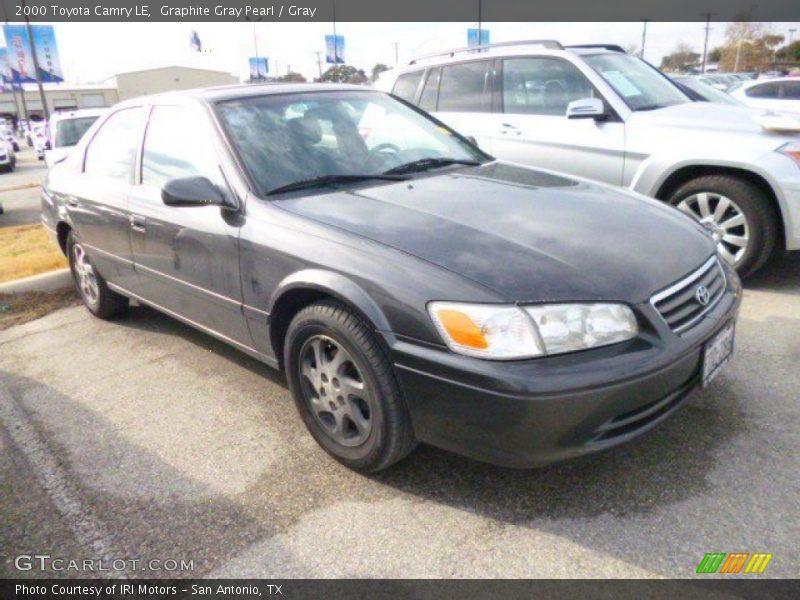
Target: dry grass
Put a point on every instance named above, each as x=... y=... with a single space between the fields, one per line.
x=27 y=250
x=16 y=309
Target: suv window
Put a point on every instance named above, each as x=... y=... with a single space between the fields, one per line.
x=791 y=90
x=430 y=93
x=112 y=151
x=465 y=87
x=764 y=90
x=542 y=86
x=177 y=145
x=70 y=131
x=406 y=86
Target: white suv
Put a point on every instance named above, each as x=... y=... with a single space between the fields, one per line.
x=597 y=112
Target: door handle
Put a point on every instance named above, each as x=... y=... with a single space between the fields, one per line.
x=138 y=223
x=72 y=201
x=509 y=128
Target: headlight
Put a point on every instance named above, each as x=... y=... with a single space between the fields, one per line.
x=509 y=332
x=792 y=150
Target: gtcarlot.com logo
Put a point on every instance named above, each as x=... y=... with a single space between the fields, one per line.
x=735 y=562
x=45 y=562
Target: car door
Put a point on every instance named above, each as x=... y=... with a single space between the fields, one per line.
x=532 y=128
x=97 y=200
x=187 y=258
x=460 y=95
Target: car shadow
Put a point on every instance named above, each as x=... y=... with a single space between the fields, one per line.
x=780 y=274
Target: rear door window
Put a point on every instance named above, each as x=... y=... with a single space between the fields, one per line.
x=430 y=93
x=465 y=87
x=406 y=86
x=791 y=90
x=112 y=151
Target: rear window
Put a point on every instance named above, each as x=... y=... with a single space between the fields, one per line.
x=464 y=87
x=430 y=92
x=406 y=86
x=70 y=131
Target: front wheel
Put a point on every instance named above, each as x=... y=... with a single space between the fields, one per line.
x=95 y=293
x=345 y=389
x=737 y=214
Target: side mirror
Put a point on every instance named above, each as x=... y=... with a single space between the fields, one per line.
x=471 y=139
x=587 y=108
x=192 y=191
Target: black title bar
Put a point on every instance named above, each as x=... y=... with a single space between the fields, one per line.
x=400 y=10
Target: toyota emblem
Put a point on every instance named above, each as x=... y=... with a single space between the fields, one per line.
x=702 y=294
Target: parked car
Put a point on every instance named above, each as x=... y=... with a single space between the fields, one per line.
x=7 y=133
x=8 y=159
x=600 y=113
x=412 y=288
x=65 y=129
x=700 y=91
x=39 y=140
x=778 y=94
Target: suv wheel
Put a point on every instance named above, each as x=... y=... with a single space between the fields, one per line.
x=96 y=295
x=345 y=389
x=738 y=215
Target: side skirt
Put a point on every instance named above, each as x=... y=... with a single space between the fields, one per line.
x=267 y=360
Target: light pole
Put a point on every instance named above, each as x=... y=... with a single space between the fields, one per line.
x=791 y=35
x=705 y=42
x=644 y=37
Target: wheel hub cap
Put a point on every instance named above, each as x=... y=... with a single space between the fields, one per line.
x=86 y=277
x=335 y=391
x=724 y=221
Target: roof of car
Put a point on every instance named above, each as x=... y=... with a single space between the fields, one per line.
x=244 y=90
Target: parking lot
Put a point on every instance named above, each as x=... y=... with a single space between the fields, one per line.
x=19 y=190
x=145 y=439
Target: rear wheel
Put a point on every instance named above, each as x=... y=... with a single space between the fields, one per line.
x=344 y=388
x=737 y=214
x=95 y=293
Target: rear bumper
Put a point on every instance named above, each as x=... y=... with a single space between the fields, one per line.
x=529 y=413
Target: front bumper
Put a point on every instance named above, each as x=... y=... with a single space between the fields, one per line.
x=532 y=412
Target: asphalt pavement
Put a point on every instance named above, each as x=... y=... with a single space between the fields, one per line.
x=142 y=439
x=20 y=189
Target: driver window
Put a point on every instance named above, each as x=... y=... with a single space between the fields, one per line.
x=542 y=86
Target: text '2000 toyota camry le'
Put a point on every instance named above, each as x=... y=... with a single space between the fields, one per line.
x=413 y=288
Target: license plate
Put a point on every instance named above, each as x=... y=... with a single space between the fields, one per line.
x=717 y=353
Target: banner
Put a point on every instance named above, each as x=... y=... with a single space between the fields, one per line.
x=20 y=59
x=334 y=49
x=259 y=67
x=472 y=37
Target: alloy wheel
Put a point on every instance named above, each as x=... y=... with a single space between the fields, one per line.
x=87 y=279
x=724 y=220
x=335 y=390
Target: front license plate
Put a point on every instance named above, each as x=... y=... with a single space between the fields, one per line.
x=717 y=353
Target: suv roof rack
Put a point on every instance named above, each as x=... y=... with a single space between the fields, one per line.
x=550 y=44
x=612 y=47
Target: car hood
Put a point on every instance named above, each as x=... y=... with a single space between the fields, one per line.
x=530 y=236
x=709 y=116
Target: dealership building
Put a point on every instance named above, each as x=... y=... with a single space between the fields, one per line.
x=65 y=96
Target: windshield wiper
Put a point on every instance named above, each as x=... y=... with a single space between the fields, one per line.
x=429 y=163
x=324 y=180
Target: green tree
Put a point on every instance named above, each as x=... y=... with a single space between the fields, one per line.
x=377 y=70
x=293 y=77
x=682 y=58
x=715 y=55
x=344 y=74
x=789 y=53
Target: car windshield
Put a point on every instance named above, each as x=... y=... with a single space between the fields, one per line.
x=708 y=91
x=340 y=137
x=70 y=131
x=641 y=86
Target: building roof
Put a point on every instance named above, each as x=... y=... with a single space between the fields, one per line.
x=179 y=67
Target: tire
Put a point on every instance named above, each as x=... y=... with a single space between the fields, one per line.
x=761 y=221
x=384 y=433
x=101 y=301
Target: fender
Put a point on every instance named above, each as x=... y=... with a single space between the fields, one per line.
x=336 y=285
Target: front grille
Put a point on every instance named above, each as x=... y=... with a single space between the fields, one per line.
x=679 y=304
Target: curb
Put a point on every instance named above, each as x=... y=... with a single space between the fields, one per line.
x=44 y=282
x=21 y=186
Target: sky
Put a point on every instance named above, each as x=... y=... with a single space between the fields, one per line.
x=92 y=52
